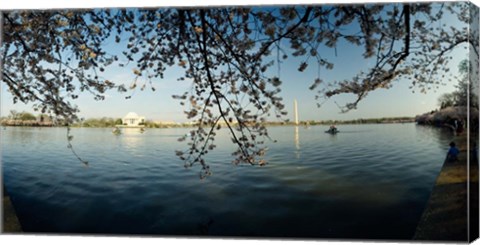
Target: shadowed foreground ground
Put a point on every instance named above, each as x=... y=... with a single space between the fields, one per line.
x=446 y=215
x=10 y=221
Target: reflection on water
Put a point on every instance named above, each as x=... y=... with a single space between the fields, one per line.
x=297 y=143
x=443 y=136
x=131 y=137
x=369 y=181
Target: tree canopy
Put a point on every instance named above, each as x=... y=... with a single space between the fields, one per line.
x=49 y=58
x=23 y=116
x=465 y=95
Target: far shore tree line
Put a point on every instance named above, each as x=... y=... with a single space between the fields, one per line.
x=29 y=119
x=23 y=118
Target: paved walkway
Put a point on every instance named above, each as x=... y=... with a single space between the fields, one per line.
x=446 y=215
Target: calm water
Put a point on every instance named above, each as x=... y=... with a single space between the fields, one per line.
x=369 y=181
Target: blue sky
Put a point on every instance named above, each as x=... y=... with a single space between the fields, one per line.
x=160 y=106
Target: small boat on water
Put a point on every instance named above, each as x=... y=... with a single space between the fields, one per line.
x=116 y=131
x=332 y=130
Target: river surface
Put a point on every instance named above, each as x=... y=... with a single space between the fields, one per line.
x=366 y=182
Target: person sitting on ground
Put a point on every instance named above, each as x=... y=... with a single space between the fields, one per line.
x=452 y=154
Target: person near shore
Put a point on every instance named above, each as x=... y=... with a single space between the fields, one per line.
x=453 y=152
x=458 y=125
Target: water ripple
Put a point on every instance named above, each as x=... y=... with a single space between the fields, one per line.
x=315 y=185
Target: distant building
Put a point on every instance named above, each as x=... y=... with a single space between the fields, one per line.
x=132 y=119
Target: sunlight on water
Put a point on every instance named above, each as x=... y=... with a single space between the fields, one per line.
x=368 y=181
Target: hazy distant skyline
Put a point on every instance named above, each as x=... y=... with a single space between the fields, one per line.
x=160 y=106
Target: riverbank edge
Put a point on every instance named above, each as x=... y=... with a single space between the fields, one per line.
x=10 y=223
x=98 y=123
x=445 y=217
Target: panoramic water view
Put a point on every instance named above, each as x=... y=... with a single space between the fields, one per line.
x=152 y=120
x=368 y=181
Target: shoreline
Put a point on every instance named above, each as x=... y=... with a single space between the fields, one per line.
x=446 y=214
x=110 y=122
x=10 y=222
x=180 y=125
